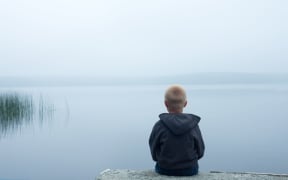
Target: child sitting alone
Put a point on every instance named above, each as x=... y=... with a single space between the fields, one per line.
x=176 y=142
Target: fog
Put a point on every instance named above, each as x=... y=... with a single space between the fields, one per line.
x=142 y=38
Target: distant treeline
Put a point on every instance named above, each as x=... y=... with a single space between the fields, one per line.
x=193 y=78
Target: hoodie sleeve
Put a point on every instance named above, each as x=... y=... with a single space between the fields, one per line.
x=199 y=143
x=154 y=141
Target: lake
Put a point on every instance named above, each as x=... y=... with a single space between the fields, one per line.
x=75 y=132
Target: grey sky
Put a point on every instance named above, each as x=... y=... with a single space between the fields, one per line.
x=151 y=37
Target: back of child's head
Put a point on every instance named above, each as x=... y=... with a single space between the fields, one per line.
x=175 y=98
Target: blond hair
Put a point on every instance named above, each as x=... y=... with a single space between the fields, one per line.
x=175 y=96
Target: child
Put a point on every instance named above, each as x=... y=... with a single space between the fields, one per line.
x=176 y=142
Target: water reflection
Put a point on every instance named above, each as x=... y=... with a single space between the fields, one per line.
x=18 y=110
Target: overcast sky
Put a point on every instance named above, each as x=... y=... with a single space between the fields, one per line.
x=141 y=38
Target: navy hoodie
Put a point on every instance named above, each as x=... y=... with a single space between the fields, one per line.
x=176 y=141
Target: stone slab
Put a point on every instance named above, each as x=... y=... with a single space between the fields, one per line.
x=127 y=174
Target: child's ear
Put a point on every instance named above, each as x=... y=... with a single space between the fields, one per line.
x=185 y=103
x=166 y=104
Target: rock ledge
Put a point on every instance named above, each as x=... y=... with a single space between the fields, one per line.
x=127 y=174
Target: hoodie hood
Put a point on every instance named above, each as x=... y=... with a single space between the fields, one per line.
x=179 y=123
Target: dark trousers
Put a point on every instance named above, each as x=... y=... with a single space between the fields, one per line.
x=177 y=172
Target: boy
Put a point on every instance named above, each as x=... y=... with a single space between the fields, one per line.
x=176 y=142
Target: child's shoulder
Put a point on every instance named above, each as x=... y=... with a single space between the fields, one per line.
x=158 y=123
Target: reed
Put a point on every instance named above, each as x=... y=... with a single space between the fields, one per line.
x=18 y=110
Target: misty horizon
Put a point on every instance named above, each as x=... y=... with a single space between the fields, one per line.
x=192 y=79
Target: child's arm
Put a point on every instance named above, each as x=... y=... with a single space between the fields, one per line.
x=199 y=143
x=154 y=141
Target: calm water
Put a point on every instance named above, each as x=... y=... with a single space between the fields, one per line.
x=84 y=130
